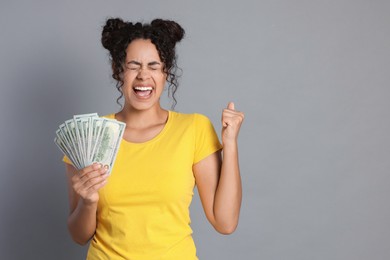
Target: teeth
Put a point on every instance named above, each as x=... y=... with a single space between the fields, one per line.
x=143 y=88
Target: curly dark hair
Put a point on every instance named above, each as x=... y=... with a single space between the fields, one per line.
x=164 y=34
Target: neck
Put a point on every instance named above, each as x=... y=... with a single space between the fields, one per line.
x=142 y=118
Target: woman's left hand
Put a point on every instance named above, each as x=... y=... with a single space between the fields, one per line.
x=231 y=123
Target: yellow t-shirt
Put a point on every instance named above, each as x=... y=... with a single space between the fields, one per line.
x=143 y=211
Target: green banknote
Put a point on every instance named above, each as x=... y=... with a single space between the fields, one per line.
x=88 y=138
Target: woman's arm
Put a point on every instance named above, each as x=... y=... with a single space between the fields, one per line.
x=218 y=179
x=83 y=186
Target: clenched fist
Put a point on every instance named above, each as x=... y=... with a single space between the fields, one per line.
x=231 y=123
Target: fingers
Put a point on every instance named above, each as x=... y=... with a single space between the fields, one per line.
x=231 y=122
x=230 y=116
x=90 y=168
x=90 y=179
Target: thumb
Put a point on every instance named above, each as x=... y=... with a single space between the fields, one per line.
x=230 y=106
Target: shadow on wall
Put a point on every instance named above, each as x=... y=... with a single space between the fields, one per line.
x=34 y=193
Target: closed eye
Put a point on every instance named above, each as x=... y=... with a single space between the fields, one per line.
x=154 y=67
x=135 y=65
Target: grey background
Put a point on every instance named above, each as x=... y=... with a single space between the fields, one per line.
x=311 y=76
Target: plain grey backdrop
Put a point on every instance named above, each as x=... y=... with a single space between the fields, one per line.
x=311 y=76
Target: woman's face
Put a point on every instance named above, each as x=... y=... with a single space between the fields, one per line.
x=143 y=77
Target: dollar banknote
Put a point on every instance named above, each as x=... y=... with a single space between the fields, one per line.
x=88 y=138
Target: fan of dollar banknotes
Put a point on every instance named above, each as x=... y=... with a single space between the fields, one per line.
x=87 y=138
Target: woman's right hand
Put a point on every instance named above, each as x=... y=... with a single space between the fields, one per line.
x=87 y=182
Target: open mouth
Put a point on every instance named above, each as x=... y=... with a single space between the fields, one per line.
x=143 y=91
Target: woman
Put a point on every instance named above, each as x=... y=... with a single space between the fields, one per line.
x=141 y=210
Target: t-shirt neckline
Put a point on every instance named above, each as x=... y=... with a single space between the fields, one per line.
x=155 y=138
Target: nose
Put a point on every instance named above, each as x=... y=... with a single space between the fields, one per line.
x=143 y=74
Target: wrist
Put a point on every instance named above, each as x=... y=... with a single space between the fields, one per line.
x=88 y=203
x=230 y=143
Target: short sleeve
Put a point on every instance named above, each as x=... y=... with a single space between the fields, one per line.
x=206 y=139
x=65 y=159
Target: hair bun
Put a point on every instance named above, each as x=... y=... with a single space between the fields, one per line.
x=172 y=29
x=111 y=32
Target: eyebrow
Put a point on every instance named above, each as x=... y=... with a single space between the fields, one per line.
x=152 y=63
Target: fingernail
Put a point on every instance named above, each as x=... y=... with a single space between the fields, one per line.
x=104 y=169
